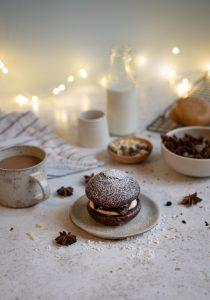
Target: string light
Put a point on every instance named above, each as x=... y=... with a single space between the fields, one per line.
x=185 y=81
x=175 y=50
x=56 y=91
x=20 y=99
x=5 y=70
x=167 y=72
x=1 y=65
x=142 y=60
x=35 y=103
x=183 y=88
x=103 y=81
x=128 y=68
x=61 y=87
x=83 y=73
x=70 y=78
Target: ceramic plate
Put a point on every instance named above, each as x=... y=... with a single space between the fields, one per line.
x=144 y=221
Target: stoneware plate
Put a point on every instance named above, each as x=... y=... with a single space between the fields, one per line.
x=144 y=221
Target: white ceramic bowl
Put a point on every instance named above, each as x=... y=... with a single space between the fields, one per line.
x=185 y=165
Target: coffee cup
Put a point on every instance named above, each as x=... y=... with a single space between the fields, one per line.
x=93 y=129
x=23 y=176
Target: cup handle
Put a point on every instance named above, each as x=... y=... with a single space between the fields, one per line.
x=42 y=182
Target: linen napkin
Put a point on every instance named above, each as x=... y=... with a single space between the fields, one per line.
x=27 y=129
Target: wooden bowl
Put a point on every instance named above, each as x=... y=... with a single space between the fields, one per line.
x=127 y=159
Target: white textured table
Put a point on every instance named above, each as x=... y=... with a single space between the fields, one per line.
x=170 y=262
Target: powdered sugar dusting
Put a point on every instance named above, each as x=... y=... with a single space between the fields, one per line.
x=140 y=248
x=114 y=173
x=112 y=188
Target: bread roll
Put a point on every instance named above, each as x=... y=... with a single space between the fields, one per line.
x=191 y=111
x=173 y=116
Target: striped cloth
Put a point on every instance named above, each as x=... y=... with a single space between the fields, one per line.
x=26 y=128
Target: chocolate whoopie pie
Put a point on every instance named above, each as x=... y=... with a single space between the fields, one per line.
x=114 y=197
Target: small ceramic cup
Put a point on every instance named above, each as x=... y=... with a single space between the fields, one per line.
x=24 y=187
x=92 y=129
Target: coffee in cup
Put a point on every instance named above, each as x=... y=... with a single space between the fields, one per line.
x=23 y=176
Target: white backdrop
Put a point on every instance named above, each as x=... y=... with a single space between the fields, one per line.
x=43 y=41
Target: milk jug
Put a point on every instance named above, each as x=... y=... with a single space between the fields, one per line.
x=121 y=92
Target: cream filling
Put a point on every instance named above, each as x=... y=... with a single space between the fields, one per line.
x=112 y=213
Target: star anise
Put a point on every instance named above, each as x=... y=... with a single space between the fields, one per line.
x=190 y=200
x=188 y=146
x=88 y=177
x=65 y=239
x=65 y=191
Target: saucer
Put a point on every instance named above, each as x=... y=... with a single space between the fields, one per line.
x=144 y=221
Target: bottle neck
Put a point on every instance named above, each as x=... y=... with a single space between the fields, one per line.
x=121 y=71
x=118 y=66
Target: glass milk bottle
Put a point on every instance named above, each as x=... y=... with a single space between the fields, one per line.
x=122 y=100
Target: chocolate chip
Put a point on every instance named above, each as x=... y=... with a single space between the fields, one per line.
x=65 y=191
x=11 y=229
x=168 y=203
x=206 y=223
x=183 y=221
